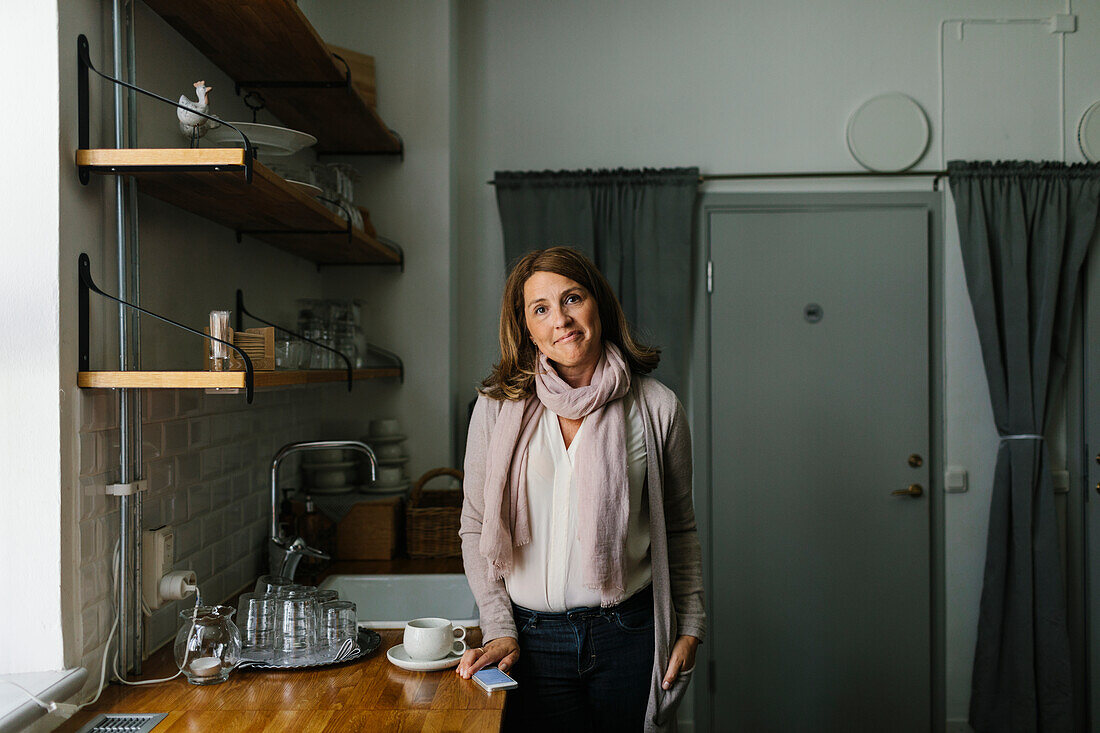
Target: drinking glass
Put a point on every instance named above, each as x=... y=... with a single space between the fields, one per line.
x=340 y=624
x=271 y=583
x=219 y=352
x=296 y=639
x=326 y=595
x=258 y=623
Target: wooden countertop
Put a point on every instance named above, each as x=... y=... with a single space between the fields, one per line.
x=368 y=695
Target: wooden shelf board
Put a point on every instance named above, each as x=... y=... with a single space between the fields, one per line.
x=272 y=40
x=222 y=380
x=210 y=182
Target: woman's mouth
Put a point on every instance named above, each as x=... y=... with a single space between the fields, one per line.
x=569 y=337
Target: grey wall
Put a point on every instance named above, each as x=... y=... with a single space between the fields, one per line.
x=765 y=86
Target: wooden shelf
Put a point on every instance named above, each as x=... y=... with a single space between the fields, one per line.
x=223 y=380
x=272 y=41
x=210 y=182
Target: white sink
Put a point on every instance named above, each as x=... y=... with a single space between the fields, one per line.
x=388 y=601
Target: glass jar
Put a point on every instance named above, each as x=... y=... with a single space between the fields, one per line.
x=208 y=645
x=346 y=345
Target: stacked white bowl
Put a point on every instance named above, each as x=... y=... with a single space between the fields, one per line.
x=329 y=471
x=388 y=443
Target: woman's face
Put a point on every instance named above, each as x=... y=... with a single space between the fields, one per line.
x=563 y=320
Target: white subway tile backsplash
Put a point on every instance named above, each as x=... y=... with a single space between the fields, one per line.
x=190 y=400
x=89 y=454
x=89 y=622
x=160 y=404
x=212 y=529
x=87 y=538
x=152 y=514
x=175 y=437
x=198 y=500
x=188 y=539
x=188 y=468
x=199 y=432
x=207 y=460
x=160 y=476
x=152 y=440
x=211 y=462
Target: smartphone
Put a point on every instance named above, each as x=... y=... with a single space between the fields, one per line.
x=491 y=678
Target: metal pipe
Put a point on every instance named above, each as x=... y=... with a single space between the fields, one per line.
x=125 y=474
x=135 y=334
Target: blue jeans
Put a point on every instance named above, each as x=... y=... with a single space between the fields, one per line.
x=587 y=669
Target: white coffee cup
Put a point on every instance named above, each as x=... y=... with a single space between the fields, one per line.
x=429 y=639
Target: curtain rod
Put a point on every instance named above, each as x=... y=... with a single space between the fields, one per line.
x=936 y=175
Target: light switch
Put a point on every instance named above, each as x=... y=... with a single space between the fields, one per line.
x=955 y=480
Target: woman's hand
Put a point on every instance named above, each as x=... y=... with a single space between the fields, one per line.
x=502 y=651
x=681 y=659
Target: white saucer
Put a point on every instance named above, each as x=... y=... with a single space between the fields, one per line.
x=395 y=438
x=398 y=656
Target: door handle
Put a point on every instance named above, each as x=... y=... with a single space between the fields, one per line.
x=914 y=490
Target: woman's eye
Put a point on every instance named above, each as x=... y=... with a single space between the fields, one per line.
x=540 y=310
x=574 y=298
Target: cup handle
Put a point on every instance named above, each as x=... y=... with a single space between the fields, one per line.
x=459 y=632
x=459 y=647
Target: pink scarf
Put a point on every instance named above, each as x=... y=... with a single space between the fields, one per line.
x=603 y=492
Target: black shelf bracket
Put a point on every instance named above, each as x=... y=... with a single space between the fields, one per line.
x=242 y=312
x=84 y=65
x=387 y=354
x=86 y=284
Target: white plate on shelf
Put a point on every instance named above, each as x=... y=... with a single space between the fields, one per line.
x=269 y=140
x=398 y=656
x=381 y=439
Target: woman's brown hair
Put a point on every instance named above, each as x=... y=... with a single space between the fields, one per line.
x=513 y=377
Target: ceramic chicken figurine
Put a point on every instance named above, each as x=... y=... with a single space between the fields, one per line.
x=192 y=125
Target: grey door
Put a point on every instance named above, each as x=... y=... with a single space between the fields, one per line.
x=820 y=394
x=1091 y=382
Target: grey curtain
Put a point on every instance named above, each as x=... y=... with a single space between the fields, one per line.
x=636 y=225
x=1025 y=229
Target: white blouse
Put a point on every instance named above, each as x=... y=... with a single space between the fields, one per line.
x=548 y=573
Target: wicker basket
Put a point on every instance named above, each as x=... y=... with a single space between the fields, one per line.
x=431 y=518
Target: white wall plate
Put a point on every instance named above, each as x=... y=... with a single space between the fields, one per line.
x=1088 y=133
x=888 y=133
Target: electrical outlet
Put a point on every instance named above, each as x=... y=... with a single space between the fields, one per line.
x=157 y=554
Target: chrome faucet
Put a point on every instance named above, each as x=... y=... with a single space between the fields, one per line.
x=284 y=552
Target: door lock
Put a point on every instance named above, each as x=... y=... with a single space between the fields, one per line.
x=914 y=491
x=916 y=461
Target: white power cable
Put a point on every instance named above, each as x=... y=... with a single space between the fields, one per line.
x=69 y=709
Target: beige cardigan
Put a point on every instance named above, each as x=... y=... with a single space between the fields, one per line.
x=674 y=545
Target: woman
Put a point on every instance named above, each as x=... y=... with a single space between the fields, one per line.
x=578 y=529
